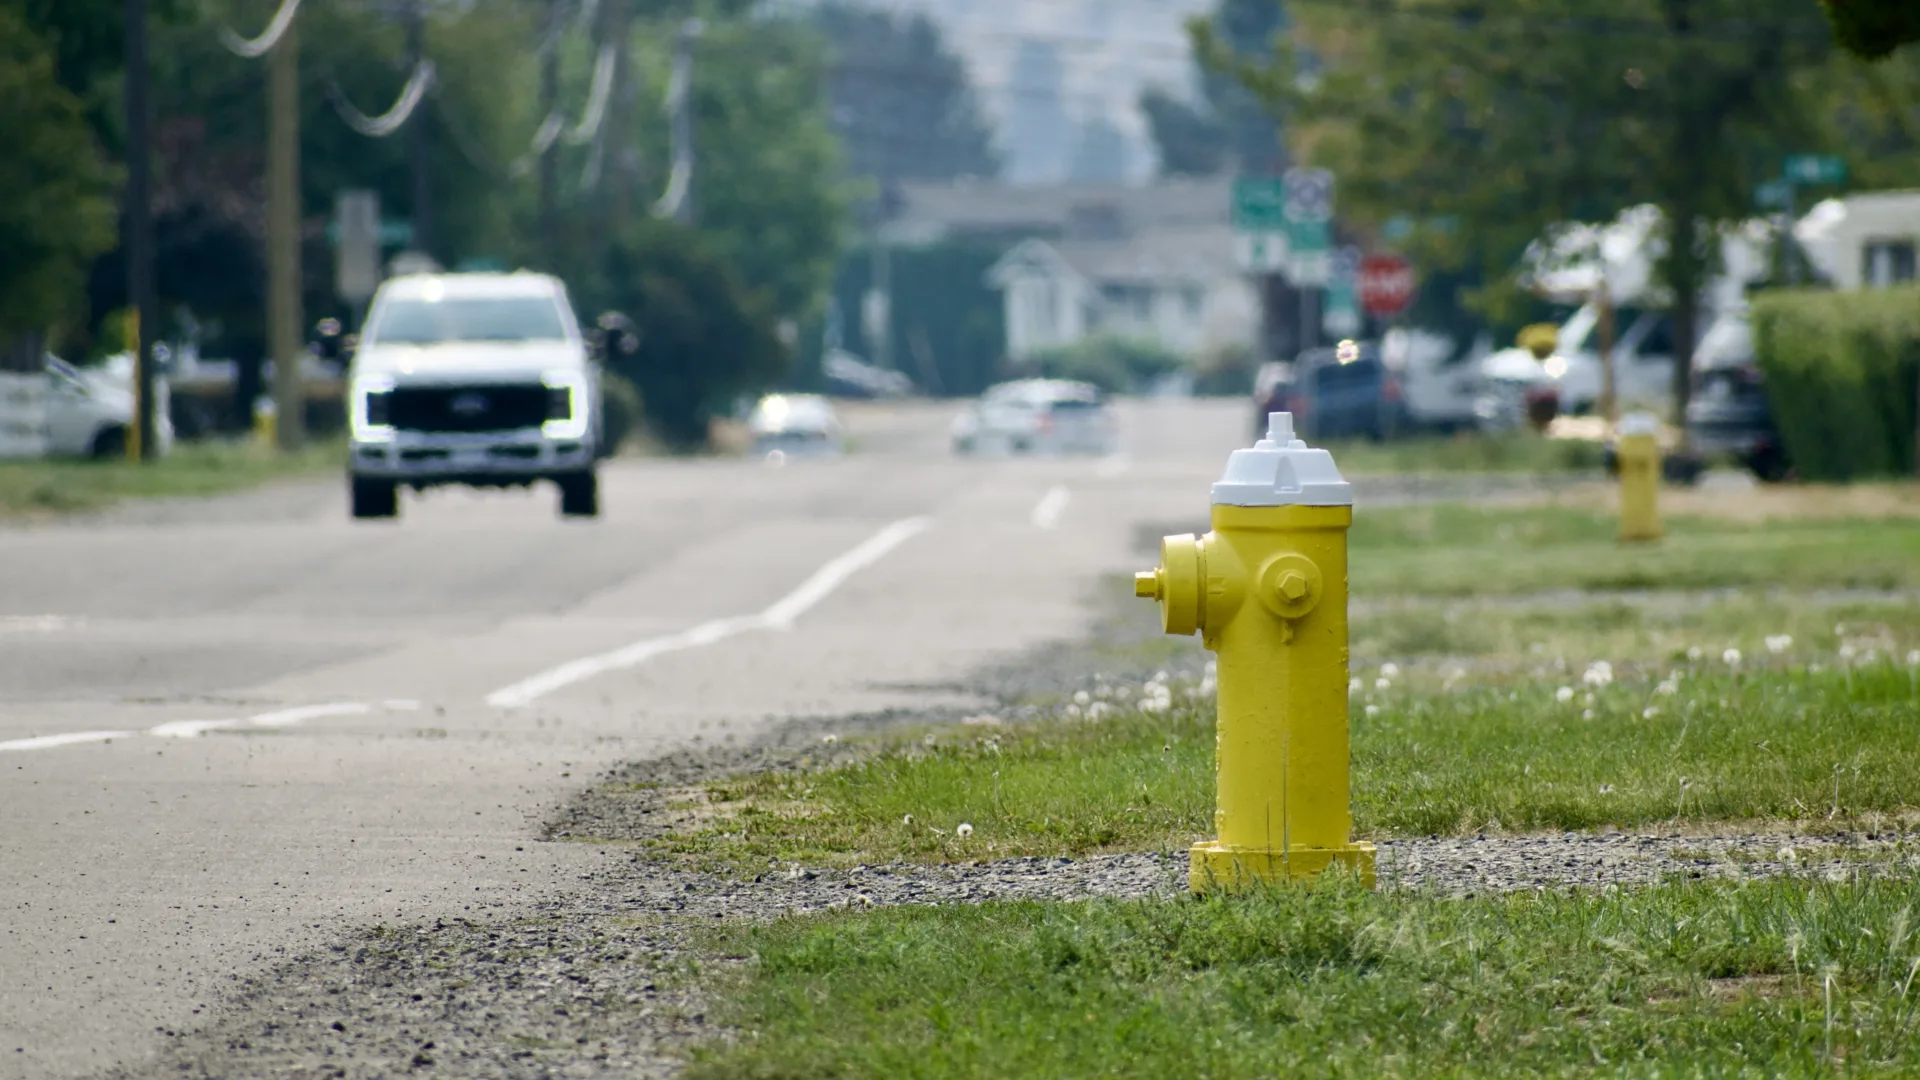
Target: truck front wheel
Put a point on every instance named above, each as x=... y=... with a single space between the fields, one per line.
x=374 y=498
x=579 y=494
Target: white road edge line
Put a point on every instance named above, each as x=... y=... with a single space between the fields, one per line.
x=290 y=717
x=781 y=615
x=189 y=729
x=44 y=742
x=1046 y=512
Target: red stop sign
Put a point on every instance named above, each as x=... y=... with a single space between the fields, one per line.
x=1386 y=284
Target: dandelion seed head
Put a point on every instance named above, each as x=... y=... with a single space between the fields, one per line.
x=1383 y=684
x=1563 y=695
x=1586 y=714
x=1779 y=643
x=1081 y=697
x=1732 y=657
x=829 y=739
x=1695 y=653
x=1373 y=710
x=1389 y=671
x=963 y=830
x=1650 y=712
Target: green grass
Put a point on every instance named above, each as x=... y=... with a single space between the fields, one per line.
x=29 y=488
x=1836 y=748
x=1470 y=453
x=1784 y=978
x=1460 y=550
x=1646 y=630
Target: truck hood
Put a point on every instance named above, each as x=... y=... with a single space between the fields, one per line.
x=466 y=359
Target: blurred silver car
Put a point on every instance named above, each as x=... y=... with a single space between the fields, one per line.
x=1037 y=416
x=795 y=425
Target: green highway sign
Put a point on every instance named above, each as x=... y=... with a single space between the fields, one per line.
x=1309 y=237
x=1815 y=169
x=1259 y=204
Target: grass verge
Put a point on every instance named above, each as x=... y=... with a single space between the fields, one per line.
x=29 y=488
x=1782 y=978
x=1834 y=748
x=1519 y=452
x=1461 y=550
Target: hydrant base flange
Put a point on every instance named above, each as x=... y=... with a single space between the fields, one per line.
x=1216 y=867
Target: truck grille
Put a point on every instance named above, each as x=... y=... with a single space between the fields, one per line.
x=469 y=408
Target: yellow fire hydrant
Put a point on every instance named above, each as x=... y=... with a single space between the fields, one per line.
x=1638 y=452
x=1267 y=590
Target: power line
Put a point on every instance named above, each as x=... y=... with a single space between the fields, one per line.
x=258 y=47
x=379 y=127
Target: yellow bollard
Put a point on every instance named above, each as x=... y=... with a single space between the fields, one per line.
x=266 y=423
x=1267 y=590
x=1638 y=452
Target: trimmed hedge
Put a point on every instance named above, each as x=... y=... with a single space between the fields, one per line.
x=1841 y=372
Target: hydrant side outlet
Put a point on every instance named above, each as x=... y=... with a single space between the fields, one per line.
x=1280 y=520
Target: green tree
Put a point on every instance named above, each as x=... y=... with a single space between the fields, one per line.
x=901 y=99
x=1873 y=29
x=56 y=192
x=704 y=338
x=210 y=136
x=1506 y=119
x=1227 y=126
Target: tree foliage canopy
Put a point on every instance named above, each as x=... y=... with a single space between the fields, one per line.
x=1873 y=29
x=56 y=193
x=704 y=337
x=901 y=99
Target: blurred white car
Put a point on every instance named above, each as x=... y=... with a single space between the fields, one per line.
x=795 y=425
x=89 y=410
x=1037 y=416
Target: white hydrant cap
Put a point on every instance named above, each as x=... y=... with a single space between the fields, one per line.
x=1639 y=423
x=1281 y=470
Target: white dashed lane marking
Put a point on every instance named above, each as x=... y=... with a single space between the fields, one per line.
x=779 y=616
x=1046 y=513
x=191 y=729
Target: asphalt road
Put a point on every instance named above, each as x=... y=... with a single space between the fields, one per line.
x=230 y=730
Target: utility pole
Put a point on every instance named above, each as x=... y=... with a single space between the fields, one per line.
x=418 y=142
x=283 y=240
x=617 y=30
x=684 y=151
x=550 y=156
x=1603 y=299
x=140 y=292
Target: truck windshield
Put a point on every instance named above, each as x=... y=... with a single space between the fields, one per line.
x=471 y=318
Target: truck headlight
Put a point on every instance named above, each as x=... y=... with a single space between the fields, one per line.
x=372 y=416
x=566 y=406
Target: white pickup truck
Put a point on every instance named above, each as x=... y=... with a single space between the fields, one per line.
x=475 y=379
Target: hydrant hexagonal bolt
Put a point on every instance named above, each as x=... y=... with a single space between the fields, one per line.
x=1280 y=519
x=1638 y=455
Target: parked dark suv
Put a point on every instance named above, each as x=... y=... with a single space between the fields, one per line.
x=1335 y=393
x=1728 y=414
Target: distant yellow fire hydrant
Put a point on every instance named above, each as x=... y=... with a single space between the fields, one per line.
x=1267 y=590
x=1638 y=452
